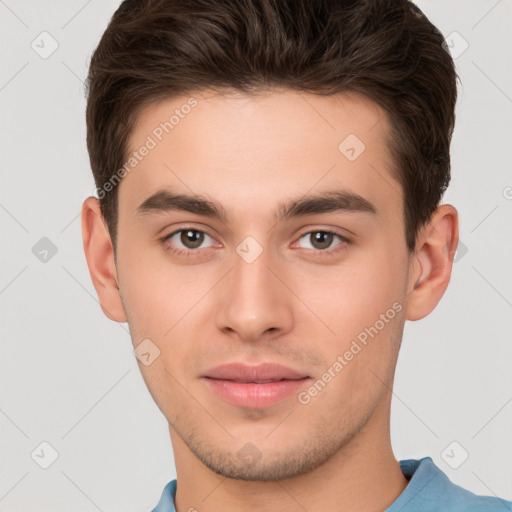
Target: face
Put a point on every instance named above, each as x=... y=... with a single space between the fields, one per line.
x=288 y=249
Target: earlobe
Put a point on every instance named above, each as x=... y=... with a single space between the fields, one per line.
x=99 y=254
x=432 y=262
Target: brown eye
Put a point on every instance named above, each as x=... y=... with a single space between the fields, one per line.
x=188 y=239
x=321 y=240
x=191 y=238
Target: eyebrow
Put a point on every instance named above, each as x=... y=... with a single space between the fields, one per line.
x=331 y=201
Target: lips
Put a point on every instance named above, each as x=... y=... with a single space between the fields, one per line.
x=255 y=381
x=262 y=373
x=254 y=387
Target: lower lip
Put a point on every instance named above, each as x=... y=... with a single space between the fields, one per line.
x=254 y=395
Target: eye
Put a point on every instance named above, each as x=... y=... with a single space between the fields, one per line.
x=321 y=240
x=187 y=239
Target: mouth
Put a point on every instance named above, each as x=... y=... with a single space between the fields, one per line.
x=257 y=381
x=254 y=387
x=262 y=372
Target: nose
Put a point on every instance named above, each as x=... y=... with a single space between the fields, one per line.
x=254 y=302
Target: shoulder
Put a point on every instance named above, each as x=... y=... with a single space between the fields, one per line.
x=431 y=490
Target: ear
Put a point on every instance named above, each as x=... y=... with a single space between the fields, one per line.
x=100 y=260
x=431 y=263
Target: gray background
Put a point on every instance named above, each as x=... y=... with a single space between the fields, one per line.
x=68 y=374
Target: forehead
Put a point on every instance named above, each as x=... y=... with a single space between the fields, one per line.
x=260 y=148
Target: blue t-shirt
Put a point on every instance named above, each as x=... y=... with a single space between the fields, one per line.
x=429 y=490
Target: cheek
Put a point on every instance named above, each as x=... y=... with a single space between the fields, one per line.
x=363 y=305
x=156 y=293
x=361 y=356
x=352 y=297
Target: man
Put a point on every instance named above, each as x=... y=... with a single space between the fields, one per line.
x=269 y=178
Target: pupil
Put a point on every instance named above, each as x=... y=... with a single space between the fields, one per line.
x=191 y=238
x=322 y=239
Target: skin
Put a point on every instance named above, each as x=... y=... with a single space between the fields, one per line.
x=295 y=304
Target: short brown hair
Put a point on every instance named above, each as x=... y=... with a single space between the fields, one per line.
x=386 y=50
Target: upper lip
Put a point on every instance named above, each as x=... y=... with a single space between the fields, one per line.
x=246 y=373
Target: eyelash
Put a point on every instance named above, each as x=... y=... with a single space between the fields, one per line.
x=315 y=252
